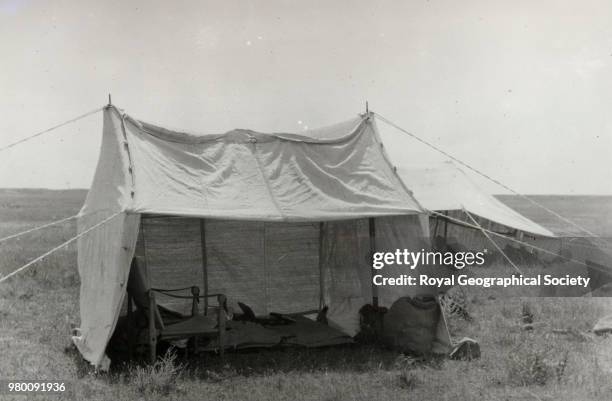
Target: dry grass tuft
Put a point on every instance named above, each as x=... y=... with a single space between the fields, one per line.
x=529 y=367
x=159 y=378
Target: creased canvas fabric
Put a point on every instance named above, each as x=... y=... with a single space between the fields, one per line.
x=445 y=186
x=329 y=174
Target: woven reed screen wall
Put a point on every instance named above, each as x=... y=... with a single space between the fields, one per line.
x=272 y=267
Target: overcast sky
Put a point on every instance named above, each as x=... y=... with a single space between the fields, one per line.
x=520 y=89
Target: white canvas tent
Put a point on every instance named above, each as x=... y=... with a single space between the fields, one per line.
x=445 y=187
x=241 y=193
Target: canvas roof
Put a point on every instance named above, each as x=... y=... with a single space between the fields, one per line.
x=338 y=172
x=445 y=186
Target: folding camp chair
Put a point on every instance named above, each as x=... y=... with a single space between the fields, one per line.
x=171 y=325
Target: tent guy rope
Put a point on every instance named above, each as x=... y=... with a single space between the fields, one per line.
x=38 y=228
x=57 y=248
x=387 y=121
x=508 y=238
x=493 y=242
x=50 y=129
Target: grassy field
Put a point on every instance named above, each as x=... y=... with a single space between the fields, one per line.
x=557 y=360
x=591 y=212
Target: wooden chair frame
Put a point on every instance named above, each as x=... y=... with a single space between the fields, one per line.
x=161 y=334
x=158 y=330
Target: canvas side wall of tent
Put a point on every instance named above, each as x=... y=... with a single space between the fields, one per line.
x=246 y=193
x=446 y=188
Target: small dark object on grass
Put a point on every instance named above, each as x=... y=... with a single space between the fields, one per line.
x=408 y=380
x=527 y=314
x=466 y=350
x=370 y=323
x=603 y=326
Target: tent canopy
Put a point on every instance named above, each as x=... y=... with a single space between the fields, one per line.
x=338 y=174
x=446 y=187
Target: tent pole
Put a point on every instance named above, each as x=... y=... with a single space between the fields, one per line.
x=372 y=229
x=445 y=231
x=130 y=316
x=144 y=251
x=204 y=263
x=435 y=231
x=152 y=337
x=321 y=276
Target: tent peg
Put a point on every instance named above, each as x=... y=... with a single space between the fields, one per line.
x=110 y=103
x=367 y=108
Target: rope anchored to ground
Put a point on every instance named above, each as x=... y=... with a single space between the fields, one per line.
x=41 y=257
x=31 y=230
